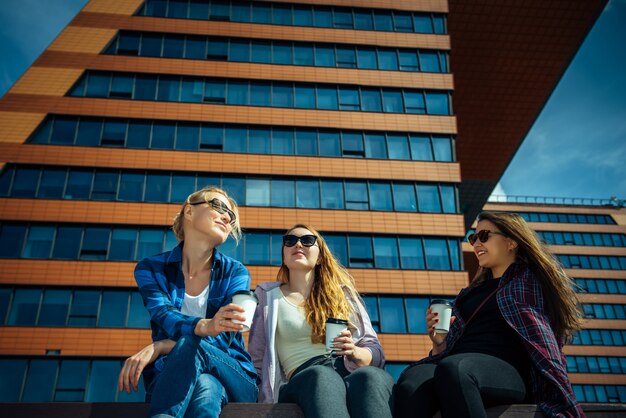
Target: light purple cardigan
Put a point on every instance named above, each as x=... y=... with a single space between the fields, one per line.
x=262 y=340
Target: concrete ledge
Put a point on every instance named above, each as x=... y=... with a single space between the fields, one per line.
x=248 y=410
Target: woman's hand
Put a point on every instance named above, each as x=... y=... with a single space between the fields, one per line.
x=222 y=321
x=439 y=340
x=345 y=347
x=134 y=365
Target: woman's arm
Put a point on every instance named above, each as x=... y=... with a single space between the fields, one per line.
x=134 y=365
x=368 y=352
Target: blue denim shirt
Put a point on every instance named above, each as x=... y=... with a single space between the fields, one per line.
x=162 y=286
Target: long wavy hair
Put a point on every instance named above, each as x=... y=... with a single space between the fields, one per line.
x=327 y=298
x=560 y=300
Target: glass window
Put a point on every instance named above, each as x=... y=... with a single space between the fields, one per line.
x=371 y=305
x=448 y=197
x=392 y=316
x=215 y=91
x=380 y=196
x=151 y=44
x=282 y=95
x=307 y=194
x=241 y=11
x=404 y=197
x=157 y=188
x=371 y=100
x=261 y=13
x=257 y=248
x=416 y=313
x=78 y=184
x=327 y=98
x=383 y=20
x=131 y=187
x=356 y=195
x=412 y=254
x=39 y=242
x=387 y=60
x=114 y=133
x=122 y=86
x=305 y=97
x=138 y=134
x=283 y=194
x=423 y=23
x=437 y=254
x=402 y=22
x=150 y=243
x=89 y=133
x=95 y=244
x=349 y=99
x=455 y=254
x=192 y=90
x=302 y=15
x=306 y=142
x=182 y=186
x=40 y=381
x=25 y=182
x=375 y=146
x=261 y=52
x=420 y=148
x=163 y=135
x=361 y=251
x=257 y=192
x=54 y=308
x=366 y=58
x=11 y=240
x=428 y=198
x=408 y=61
x=217 y=49
x=11 y=379
x=415 y=102
x=238 y=92
x=195 y=46
x=332 y=195
x=145 y=87
x=113 y=309
x=324 y=56
x=393 y=101
x=71 y=381
x=239 y=51
x=220 y=10
x=429 y=61
x=169 y=88
x=42 y=133
x=260 y=94
x=52 y=183
x=346 y=57
x=103 y=381
x=353 y=144
x=212 y=137
x=236 y=188
x=338 y=246
x=123 y=244
x=178 y=8
x=398 y=147
x=187 y=136
x=67 y=243
x=323 y=17
x=259 y=141
x=363 y=20
x=439 y=23
x=282 y=52
x=437 y=103
x=386 y=251
x=25 y=307
x=443 y=148
x=304 y=54
x=343 y=18
x=330 y=143
x=97 y=85
x=138 y=316
x=282 y=141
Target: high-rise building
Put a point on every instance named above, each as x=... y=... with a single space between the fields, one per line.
x=356 y=117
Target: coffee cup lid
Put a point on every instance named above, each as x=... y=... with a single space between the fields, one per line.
x=336 y=321
x=440 y=302
x=247 y=293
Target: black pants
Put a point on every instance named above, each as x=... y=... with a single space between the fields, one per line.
x=323 y=388
x=461 y=385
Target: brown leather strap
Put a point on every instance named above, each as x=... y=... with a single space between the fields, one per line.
x=482 y=304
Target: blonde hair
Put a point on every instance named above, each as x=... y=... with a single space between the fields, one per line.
x=198 y=196
x=327 y=298
x=560 y=299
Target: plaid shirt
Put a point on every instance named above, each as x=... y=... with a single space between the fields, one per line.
x=162 y=286
x=521 y=303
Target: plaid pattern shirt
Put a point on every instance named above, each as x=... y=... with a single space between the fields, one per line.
x=521 y=303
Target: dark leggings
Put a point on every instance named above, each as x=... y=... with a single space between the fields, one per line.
x=461 y=385
x=324 y=390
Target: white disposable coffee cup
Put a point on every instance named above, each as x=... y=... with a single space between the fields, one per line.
x=248 y=301
x=444 y=310
x=334 y=327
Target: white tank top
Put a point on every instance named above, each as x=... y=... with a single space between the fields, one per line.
x=293 y=336
x=195 y=305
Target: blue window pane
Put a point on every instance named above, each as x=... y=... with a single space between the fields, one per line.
x=330 y=144
x=170 y=240
x=40 y=381
x=363 y=20
x=282 y=52
x=455 y=256
x=192 y=90
x=131 y=187
x=302 y=15
x=215 y=92
x=414 y=101
x=238 y=92
x=404 y=197
x=323 y=17
x=428 y=198
x=257 y=248
x=282 y=95
x=423 y=23
x=261 y=13
x=398 y=147
x=241 y=11
x=343 y=18
x=283 y=193
x=95 y=244
x=103 y=381
x=437 y=103
x=217 y=49
x=303 y=55
x=282 y=141
x=11 y=379
x=440 y=25
x=307 y=194
x=349 y=99
x=371 y=100
x=123 y=244
x=72 y=381
x=443 y=148
x=408 y=61
x=195 y=47
x=257 y=192
x=138 y=316
x=324 y=56
x=114 y=134
x=259 y=141
x=25 y=307
x=78 y=184
x=437 y=254
x=393 y=101
x=346 y=57
x=375 y=146
x=113 y=309
x=236 y=188
x=356 y=195
x=305 y=97
x=78 y=89
x=392 y=316
x=261 y=52
x=98 y=85
x=169 y=89
x=178 y=8
x=232 y=250
x=63 y=131
x=416 y=313
x=386 y=250
x=306 y=142
x=387 y=60
x=239 y=51
x=402 y=22
x=371 y=305
x=420 y=148
x=383 y=20
x=353 y=144
x=338 y=247
x=163 y=136
x=260 y=94
x=212 y=138
x=429 y=61
x=332 y=195
x=151 y=45
x=187 y=136
x=366 y=58
x=54 y=308
x=42 y=134
x=145 y=87
x=448 y=197
x=276 y=246
x=5 y=299
x=380 y=196
x=327 y=98
x=220 y=10
x=412 y=254
x=121 y=86
x=150 y=243
x=11 y=240
x=105 y=186
x=67 y=243
x=89 y=133
x=52 y=183
x=137 y=397
x=25 y=182
x=361 y=254
x=139 y=134
x=39 y=242
x=182 y=186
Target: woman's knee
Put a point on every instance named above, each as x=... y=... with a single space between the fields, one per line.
x=319 y=378
x=452 y=372
x=369 y=377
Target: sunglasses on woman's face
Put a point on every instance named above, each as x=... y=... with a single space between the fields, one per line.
x=483 y=236
x=220 y=207
x=306 y=240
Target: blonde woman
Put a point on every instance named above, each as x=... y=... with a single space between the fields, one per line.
x=200 y=361
x=505 y=345
x=287 y=339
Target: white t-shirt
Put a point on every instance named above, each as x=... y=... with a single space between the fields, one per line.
x=196 y=305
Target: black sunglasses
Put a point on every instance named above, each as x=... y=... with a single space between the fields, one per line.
x=483 y=236
x=306 y=240
x=219 y=207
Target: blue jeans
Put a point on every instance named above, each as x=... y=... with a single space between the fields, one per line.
x=198 y=380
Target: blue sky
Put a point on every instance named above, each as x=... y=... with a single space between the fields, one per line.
x=576 y=148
